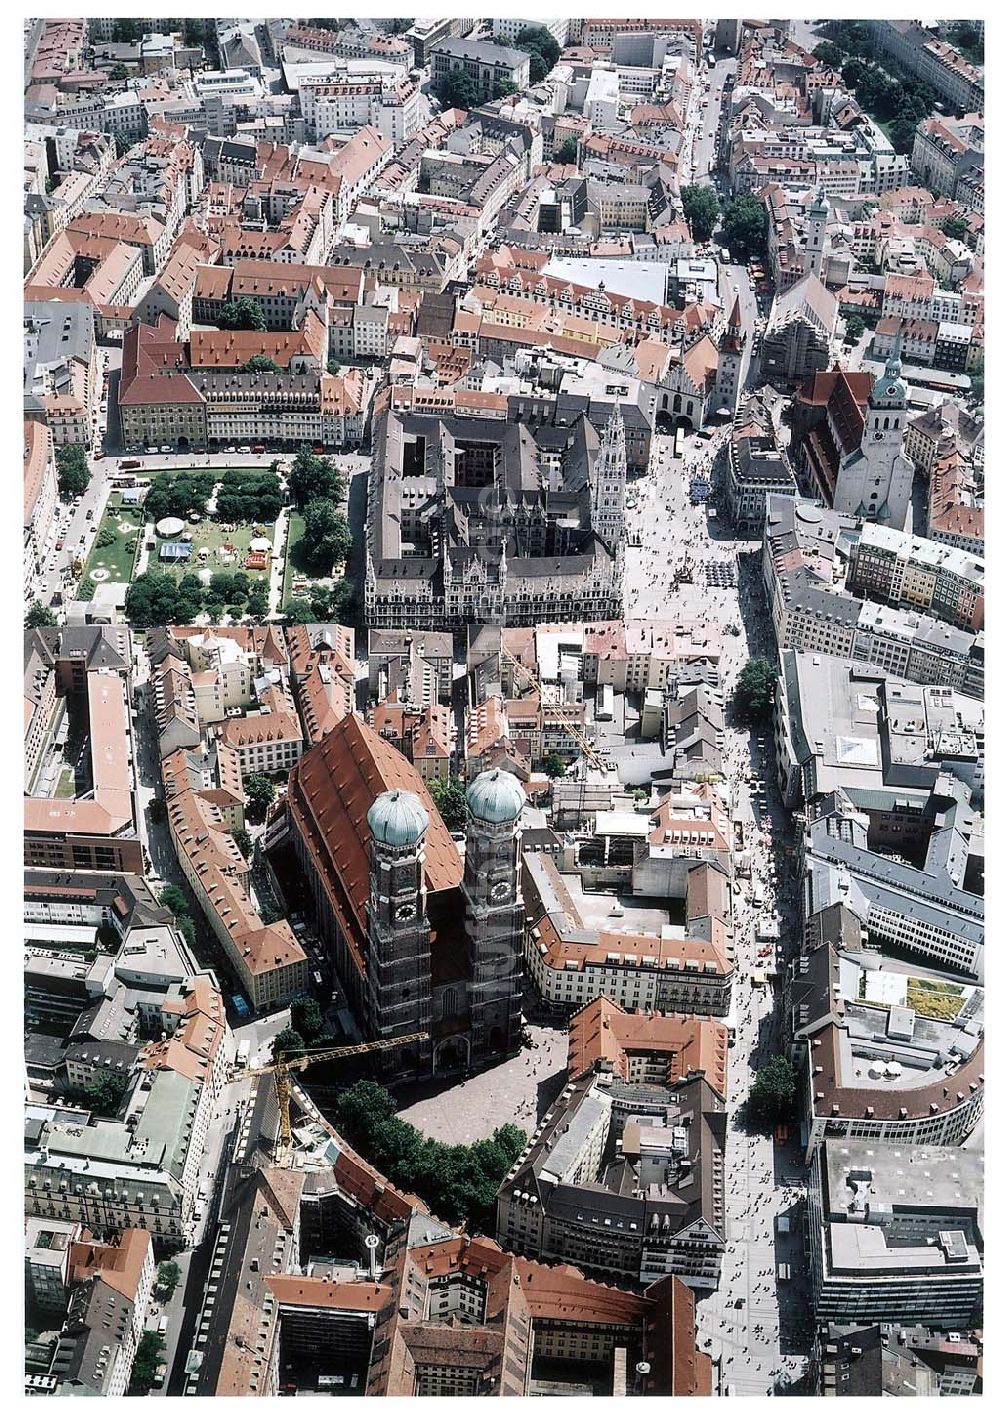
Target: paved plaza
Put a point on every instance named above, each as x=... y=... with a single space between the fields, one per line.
x=519 y=1090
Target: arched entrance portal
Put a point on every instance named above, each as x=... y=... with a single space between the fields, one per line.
x=452 y=1054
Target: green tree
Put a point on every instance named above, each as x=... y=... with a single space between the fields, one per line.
x=243 y=840
x=977 y=387
x=553 y=765
x=458 y=89
x=195 y=33
x=854 y=327
x=157 y=810
x=288 y=1044
x=307 y=1017
x=902 y=133
x=257 y=604
x=71 y=467
x=187 y=931
x=966 y=38
x=701 y=210
x=299 y=611
x=126 y=31
x=448 y=794
x=157 y=598
x=751 y=700
x=242 y=313
x=314 y=478
x=829 y=54
x=175 y=900
x=332 y=366
x=249 y=494
x=503 y=88
x=261 y=363
x=106 y=1092
x=39 y=616
x=148 y=1356
x=178 y=494
x=956 y=228
x=105 y=537
x=118 y=72
x=771 y=1099
x=168 y=1275
x=567 y=151
x=260 y=794
x=325 y=539
x=744 y=228
x=459 y=1182
x=542 y=49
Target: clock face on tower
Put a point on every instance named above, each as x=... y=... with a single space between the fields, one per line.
x=879 y=436
x=499 y=892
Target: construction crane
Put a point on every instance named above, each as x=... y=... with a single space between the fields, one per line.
x=281 y=1071
x=578 y=737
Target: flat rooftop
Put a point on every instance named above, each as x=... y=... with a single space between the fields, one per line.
x=622 y=913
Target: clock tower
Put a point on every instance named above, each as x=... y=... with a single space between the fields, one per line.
x=398 y=965
x=494 y=914
x=875 y=481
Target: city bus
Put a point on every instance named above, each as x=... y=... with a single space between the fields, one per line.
x=679 y=442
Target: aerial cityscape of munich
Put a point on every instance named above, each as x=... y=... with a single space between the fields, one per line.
x=504 y=731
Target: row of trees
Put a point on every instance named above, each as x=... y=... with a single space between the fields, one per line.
x=892 y=96
x=317 y=488
x=157 y=598
x=458 y=1182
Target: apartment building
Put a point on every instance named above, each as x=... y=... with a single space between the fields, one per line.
x=40 y=495
x=915 y=45
x=899 y=569
x=812 y=610
x=268 y=963
x=946 y=150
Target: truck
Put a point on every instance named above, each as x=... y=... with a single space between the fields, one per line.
x=605 y=703
x=784 y=1273
x=240 y=1005
x=243 y=1054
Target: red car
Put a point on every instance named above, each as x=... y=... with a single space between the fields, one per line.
x=260 y=447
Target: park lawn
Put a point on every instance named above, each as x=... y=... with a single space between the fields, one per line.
x=119 y=558
x=212 y=537
x=66 y=786
x=296 y=525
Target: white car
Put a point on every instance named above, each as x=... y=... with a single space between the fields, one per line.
x=243 y=451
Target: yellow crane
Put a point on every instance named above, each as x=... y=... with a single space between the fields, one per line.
x=578 y=737
x=281 y=1070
